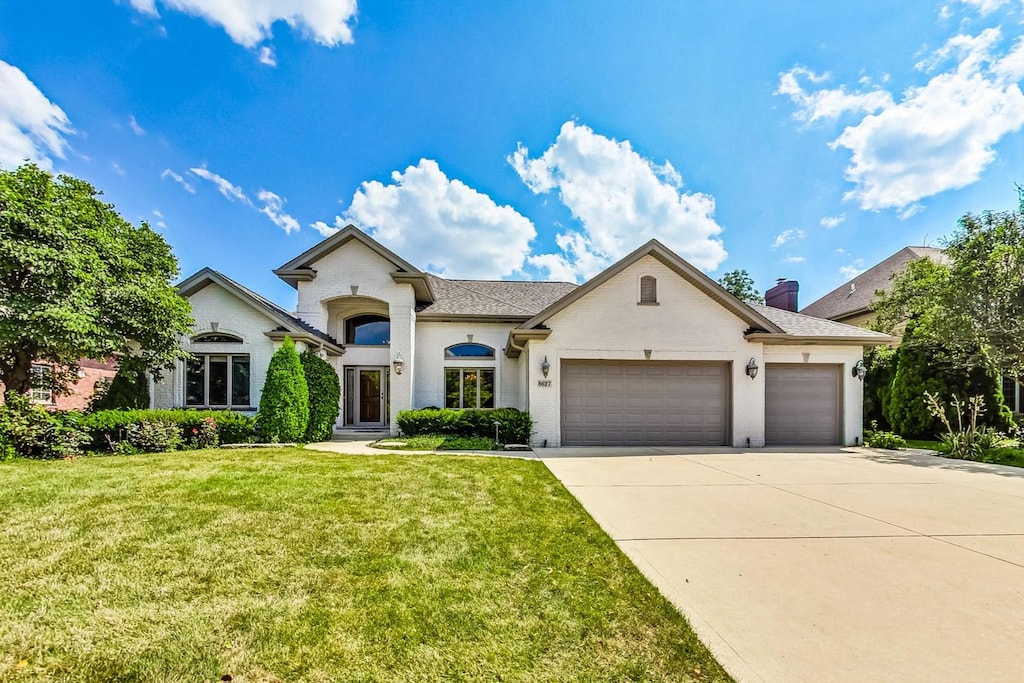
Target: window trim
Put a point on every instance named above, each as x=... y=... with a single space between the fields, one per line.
x=448 y=355
x=462 y=384
x=653 y=299
x=46 y=391
x=206 y=383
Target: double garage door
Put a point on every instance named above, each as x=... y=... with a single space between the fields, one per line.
x=644 y=403
x=687 y=404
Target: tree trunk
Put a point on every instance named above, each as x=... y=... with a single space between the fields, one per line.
x=18 y=376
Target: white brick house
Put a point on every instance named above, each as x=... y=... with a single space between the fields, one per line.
x=651 y=351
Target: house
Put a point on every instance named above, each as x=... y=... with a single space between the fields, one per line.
x=91 y=375
x=651 y=351
x=850 y=303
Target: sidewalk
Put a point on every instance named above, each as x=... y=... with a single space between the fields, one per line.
x=363 y=448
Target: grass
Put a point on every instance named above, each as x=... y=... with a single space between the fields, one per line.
x=995 y=456
x=436 y=442
x=294 y=565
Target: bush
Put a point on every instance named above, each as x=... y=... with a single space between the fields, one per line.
x=878 y=439
x=154 y=436
x=324 y=395
x=964 y=437
x=516 y=426
x=32 y=432
x=129 y=390
x=284 y=406
x=880 y=363
x=196 y=428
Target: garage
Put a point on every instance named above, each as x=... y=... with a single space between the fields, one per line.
x=803 y=404
x=627 y=403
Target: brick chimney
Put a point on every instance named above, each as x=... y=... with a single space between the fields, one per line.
x=783 y=295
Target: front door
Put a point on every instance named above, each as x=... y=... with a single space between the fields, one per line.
x=371 y=395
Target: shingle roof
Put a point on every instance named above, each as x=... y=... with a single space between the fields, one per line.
x=801 y=325
x=520 y=299
x=858 y=294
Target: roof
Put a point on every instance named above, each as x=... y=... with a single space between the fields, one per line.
x=492 y=298
x=857 y=295
x=797 y=327
x=301 y=267
x=288 y=321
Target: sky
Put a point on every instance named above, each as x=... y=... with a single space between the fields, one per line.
x=526 y=140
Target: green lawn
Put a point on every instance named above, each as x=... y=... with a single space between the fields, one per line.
x=995 y=456
x=436 y=442
x=292 y=565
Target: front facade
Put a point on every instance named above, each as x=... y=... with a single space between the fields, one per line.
x=649 y=352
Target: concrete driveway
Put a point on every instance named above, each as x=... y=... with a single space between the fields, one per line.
x=823 y=565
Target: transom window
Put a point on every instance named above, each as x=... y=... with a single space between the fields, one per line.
x=648 y=290
x=41 y=384
x=469 y=351
x=469 y=387
x=216 y=338
x=217 y=380
x=368 y=330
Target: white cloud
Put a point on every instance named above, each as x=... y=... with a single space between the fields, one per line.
x=794 y=259
x=267 y=56
x=159 y=219
x=827 y=104
x=273 y=207
x=31 y=126
x=787 y=236
x=829 y=222
x=249 y=22
x=136 y=128
x=230 y=191
x=441 y=223
x=116 y=167
x=168 y=173
x=620 y=199
x=853 y=270
x=323 y=228
x=984 y=7
x=940 y=135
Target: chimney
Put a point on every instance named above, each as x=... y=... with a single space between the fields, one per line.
x=783 y=295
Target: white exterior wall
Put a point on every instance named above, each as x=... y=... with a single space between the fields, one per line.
x=852 y=389
x=431 y=340
x=608 y=324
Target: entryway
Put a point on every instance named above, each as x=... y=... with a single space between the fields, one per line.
x=366 y=396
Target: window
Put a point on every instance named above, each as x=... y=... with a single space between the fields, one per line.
x=368 y=330
x=1013 y=393
x=648 y=290
x=469 y=351
x=41 y=380
x=215 y=338
x=217 y=380
x=469 y=387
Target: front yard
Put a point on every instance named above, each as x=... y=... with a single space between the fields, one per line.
x=287 y=565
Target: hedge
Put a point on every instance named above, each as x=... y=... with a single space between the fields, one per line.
x=516 y=426
x=113 y=426
x=324 y=395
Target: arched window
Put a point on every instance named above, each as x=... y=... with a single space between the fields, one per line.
x=648 y=290
x=216 y=338
x=472 y=351
x=368 y=330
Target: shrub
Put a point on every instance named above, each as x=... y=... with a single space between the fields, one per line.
x=284 y=405
x=515 y=426
x=203 y=435
x=877 y=439
x=324 y=395
x=964 y=437
x=129 y=390
x=108 y=428
x=880 y=363
x=30 y=431
x=152 y=436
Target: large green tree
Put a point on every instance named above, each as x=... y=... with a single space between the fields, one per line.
x=741 y=285
x=77 y=280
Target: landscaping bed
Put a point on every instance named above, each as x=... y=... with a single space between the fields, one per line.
x=994 y=456
x=294 y=565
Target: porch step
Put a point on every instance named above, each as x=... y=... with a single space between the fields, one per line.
x=360 y=434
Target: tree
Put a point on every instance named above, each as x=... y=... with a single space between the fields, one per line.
x=129 y=390
x=284 y=405
x=77 y=280
x=324 y=394
x=741 y=285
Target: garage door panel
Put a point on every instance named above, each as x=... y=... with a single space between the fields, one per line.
x=803 y=404
x=644 y=403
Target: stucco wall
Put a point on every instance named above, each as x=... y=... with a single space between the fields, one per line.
x=431 y=340
x=608 y=324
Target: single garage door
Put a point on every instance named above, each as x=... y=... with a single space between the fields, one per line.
x=803 y=404
x=644 y=403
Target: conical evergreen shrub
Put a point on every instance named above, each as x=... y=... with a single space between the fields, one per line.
x=324 y=394
x=284 y=404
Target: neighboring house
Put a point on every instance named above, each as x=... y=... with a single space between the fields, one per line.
x=651 y=351
x=851 y=303
x=91 y=373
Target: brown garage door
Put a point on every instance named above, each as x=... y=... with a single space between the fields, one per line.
x=803 y=404
x=644 y=403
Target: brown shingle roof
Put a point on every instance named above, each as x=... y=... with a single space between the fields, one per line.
x=858 y=294
x=801 y=325
x=520 y=299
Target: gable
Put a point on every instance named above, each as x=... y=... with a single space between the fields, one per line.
x=214 y=303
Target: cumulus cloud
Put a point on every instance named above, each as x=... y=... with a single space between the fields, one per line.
x=440 y=222
x=267 y=56
x=826 y=104
x=620 y=199
x=940 y=135
x=273 y=208
x=250 y=22
x=31 y=126
x=829 y=222
x=136 y=128
x=984 y=7
x=852 y=270
x=178 y=178
x=324 y=229
x=787 y=236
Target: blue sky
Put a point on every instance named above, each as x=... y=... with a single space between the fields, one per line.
x=806 y=140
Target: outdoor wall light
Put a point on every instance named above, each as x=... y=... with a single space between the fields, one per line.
x=545 y=366
x=859 y=370
x=398 y=364
x=752 y=368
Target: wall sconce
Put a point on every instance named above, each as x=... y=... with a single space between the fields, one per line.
x=545 y=366
x=398 y=364
x=752 y=369
x=859 y=370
